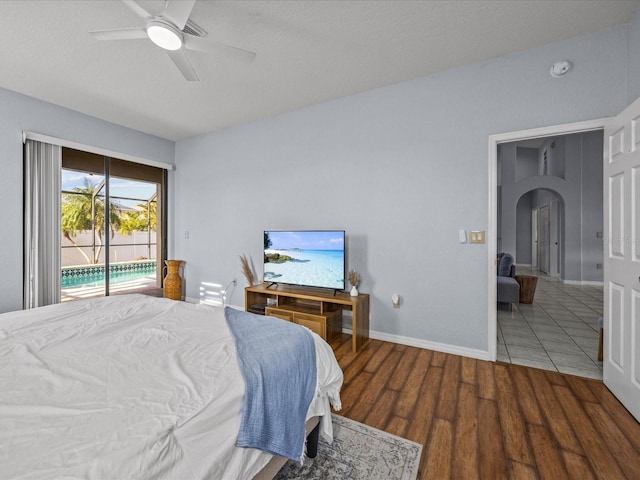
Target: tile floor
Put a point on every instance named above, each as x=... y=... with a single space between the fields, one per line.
x=558 y=331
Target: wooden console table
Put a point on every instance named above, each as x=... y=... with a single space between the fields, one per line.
x=313 y=308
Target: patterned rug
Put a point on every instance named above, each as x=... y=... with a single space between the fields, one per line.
x=358 y=452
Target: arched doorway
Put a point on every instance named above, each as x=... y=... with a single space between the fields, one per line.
x=540 y=231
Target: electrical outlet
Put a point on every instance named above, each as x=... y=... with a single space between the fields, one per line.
x=598 y=266
x=395 y=300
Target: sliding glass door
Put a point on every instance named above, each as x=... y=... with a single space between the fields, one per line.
x=111 y=226
x=82 y=239
x=133 y=247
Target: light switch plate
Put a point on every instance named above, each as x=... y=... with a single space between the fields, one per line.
x=476 y=236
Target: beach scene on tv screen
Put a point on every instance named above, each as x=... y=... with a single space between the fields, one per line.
x=305 y=258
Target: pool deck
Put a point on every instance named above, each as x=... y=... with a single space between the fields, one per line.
x=145 y=285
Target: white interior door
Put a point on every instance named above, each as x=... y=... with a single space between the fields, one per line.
x=622 y=257
x=543 y=239
x=534 y=237
x=553 y=238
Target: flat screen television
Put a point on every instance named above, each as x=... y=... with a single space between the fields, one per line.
x=311 y=258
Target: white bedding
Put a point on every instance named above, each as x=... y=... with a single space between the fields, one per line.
x=128 y=387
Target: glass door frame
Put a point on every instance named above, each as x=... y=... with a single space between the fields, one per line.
x=92 y=163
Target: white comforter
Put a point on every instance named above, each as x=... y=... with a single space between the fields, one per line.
x=129 y=387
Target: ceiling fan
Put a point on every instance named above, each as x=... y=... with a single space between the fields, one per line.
x=174 y=32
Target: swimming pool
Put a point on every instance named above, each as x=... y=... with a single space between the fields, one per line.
x=93 y=275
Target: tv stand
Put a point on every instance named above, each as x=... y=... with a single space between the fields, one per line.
x=319 y=311
x=310 y=289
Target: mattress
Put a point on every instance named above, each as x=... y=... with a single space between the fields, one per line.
x=130 y=386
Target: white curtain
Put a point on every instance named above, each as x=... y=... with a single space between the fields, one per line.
x=42 y=179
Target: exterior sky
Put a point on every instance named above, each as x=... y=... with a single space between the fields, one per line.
x=119 y=187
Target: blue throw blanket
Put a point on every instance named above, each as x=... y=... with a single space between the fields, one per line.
x=278 y=363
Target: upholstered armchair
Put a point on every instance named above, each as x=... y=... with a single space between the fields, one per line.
x=508 y=288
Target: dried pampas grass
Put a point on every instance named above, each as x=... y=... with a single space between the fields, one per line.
x=354 y=278
x=246 y=270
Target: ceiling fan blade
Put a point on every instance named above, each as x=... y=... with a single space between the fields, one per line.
x=200 y=44
x=137 y=9
x=183 y=64
x=120 y=34
x=178 y=11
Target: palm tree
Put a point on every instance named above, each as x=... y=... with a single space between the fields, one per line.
x=267 y=244
x=83 y=210
x=141 y=220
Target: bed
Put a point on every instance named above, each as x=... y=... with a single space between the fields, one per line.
x=131 y=386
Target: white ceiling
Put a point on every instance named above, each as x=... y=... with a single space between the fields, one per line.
x=307 y=52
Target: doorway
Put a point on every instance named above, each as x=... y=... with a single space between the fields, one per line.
x=112 y=222
x=546 y=224
x=546 y=181
x=494 y=142
x=543 y=239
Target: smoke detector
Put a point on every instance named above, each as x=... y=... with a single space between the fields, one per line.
x=560 y=69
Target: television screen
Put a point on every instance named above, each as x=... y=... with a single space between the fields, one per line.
x=309 y=258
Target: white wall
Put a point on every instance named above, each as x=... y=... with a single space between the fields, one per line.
x=633 y=58
x=18 y=113
x=592 y=218
x=526 y=163
x=523 y=229
x=401 y=169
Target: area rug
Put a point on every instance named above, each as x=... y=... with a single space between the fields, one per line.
x=358 y=452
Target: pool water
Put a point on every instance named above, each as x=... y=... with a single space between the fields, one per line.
x=97 y=279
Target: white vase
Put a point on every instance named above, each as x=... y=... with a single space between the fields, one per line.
x=354 y=291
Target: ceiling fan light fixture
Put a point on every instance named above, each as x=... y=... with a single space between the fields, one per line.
x=164 y=34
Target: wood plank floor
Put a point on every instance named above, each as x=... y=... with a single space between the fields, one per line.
x=484 y=420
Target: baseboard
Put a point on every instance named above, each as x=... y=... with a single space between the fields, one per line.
x=426 y=344
x=409 y=341
x=583 y=283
